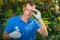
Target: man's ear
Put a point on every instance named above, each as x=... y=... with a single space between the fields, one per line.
x=23 y=8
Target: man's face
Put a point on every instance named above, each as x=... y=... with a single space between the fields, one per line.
x=28 y=10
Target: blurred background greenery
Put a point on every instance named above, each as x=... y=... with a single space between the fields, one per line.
x=50 y=11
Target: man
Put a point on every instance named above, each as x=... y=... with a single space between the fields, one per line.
x=23 y=27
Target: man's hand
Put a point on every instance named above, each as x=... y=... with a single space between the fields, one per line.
x=42 y=30
x=38 y=15
x=15 y=34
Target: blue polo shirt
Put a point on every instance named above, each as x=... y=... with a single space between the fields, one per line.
x=28 y=30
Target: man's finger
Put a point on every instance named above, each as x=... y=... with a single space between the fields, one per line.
x=34 y=14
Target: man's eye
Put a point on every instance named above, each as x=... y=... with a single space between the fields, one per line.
x=27 y=9
x=32 y=11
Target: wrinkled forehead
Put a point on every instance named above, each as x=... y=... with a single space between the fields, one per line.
x=30 y=7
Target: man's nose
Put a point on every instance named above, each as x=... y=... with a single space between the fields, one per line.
x=29 y=11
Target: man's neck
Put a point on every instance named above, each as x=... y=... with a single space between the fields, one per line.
x=24 y=18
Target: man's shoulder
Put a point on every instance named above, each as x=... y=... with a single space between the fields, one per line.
x=13 y=18
x=33 y=19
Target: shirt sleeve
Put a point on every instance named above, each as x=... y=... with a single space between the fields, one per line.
x=8 y=26
x=37 y=25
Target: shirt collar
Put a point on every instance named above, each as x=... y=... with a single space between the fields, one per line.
x=19 y=19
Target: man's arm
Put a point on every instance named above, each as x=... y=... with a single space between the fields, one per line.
x=42 y=30
x=6 y=36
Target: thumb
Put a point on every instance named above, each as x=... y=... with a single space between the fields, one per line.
x=34 y=14
x=17 y=29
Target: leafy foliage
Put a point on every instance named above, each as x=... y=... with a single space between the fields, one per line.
x=48 y=17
